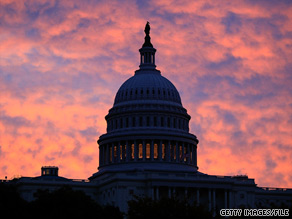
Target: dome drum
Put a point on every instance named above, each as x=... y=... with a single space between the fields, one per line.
x=148 y=151
x=155 y=121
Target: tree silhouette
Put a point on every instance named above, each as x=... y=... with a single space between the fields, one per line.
x=145 y=208
x=61 y=203
x=68 y=203
x=11 y=204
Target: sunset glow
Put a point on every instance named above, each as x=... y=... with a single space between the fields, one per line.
x=62 y=62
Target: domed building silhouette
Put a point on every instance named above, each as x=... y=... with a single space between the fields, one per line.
x=147 y=150
x=147 y=127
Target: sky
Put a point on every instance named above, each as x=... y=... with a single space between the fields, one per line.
x=62 y=62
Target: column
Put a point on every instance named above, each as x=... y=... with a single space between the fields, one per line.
x=104 y=151
x=160 y=151
x=152 y=193
x=104 y=154
x=209 y=199
x=198 y=196
x=157 y=193
x=174 y=192
x=183 y=153
x=178 y=158
x=112 y=153
x=108 y=154
x=103 y=158
x=100 y=155
x=194 y=155
x=152 y=150
x=124 y=152
x=128 y=155
x=144 y=150
x=135 y=151
x=167 y=151
x=230 y=197
x=214 y=200
x=225 y=199
x=188 y=153
x=118 y=152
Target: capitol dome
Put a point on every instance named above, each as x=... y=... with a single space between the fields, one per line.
x=147 y=127
x=147 y=85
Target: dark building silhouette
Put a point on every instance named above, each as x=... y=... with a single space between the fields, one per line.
x=148 y=151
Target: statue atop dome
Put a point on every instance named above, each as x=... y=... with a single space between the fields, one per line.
x=147 y=28
x=147 y=42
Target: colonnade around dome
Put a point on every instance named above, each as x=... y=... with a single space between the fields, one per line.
x=146 y=150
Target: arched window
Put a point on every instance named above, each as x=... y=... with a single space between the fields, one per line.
x=142 y=58
x=180 y=153
x=191 y=153
x=134 y=121
x=121 y=152
x=132 y=151
x=115 y=152
x=171 y=151
x=140 y=152
x=185 y=154
x=155 y=154
x=147 y=150
x=174 y=152
x=110 y=154
x=163 y=150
